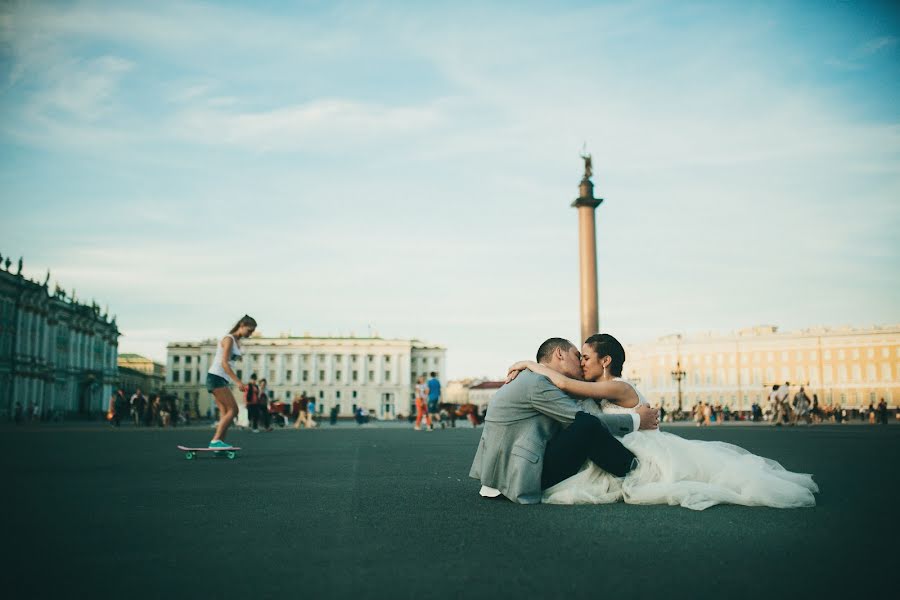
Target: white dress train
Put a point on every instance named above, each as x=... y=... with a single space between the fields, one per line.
x=691 y=473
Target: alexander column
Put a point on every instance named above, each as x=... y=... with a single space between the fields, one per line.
x=587 y=249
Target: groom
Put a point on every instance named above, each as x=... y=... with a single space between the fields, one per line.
x=524 y=448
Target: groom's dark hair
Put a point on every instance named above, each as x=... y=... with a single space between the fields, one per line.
x=549 y=347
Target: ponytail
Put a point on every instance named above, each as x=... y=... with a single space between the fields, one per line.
x=245 y=320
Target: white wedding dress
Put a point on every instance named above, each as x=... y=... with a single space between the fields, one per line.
x=691 y=473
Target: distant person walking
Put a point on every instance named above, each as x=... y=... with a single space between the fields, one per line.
x=801 y=407
x=883 y=412
x=221 y=371
x=311 y=413
x=263 y=410
x=251 y=401
x=434 y=396
x=138 y=404
x=302 y=411
x=422 y=404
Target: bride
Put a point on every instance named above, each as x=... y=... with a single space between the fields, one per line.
x=671 y=470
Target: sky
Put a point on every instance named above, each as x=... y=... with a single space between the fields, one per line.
x=406 y=169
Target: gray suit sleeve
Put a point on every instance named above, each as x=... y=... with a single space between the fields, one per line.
x=556 y=404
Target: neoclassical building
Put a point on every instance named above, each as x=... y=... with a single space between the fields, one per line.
x=846 y=366
x=377 y=374
x=56 y=354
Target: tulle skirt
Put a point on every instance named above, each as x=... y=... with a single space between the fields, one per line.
x=690 y=473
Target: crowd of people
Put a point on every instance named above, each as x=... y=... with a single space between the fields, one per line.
x=783 y=409
x=161 y=410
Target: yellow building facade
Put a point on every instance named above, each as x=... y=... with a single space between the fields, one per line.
x=843 y=366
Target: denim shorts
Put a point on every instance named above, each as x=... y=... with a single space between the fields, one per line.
x=214 y=382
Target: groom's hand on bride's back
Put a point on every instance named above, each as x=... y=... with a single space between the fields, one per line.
x=649 y=416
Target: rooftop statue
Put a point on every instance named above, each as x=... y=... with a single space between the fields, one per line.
x=588 y=171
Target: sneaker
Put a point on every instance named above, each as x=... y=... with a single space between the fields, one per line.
x=255 y=430
x=417 y=428
x=219 y=444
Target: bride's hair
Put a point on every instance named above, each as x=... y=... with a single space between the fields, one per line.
x=606 y=345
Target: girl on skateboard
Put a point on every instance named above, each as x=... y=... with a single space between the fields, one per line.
x=221 y=371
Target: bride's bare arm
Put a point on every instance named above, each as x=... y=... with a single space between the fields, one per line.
x=618 y=392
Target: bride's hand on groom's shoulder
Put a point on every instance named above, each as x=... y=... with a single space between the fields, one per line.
x=517 y=368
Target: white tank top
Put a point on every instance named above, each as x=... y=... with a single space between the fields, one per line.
x=216 y=367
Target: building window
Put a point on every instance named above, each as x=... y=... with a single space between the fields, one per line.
x=305 y=375
x=175 y=376
x=176 y=359
x=371 y=375
x=885 y=372
x=354 y=393
x=337 y=375
x=854 y=354
x=187 y=360
x=321 y=394
x=371 y=357
x=322 y=375
x=840 y=355
x=387 y=375
x=287 y=375
x=187 y=376
x=355 y=375
x=870 y=353
x=337 y=394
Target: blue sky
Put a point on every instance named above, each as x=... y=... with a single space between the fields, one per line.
x=333 y=167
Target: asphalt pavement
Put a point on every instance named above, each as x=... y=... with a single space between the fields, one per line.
x=387 y=512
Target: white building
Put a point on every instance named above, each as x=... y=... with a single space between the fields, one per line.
x=377 y=374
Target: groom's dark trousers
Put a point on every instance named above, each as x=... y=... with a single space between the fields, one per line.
x=586 y=438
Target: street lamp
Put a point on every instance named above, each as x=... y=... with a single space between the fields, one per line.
x=678 y=374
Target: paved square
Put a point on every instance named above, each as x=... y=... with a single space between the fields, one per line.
x=387 y=512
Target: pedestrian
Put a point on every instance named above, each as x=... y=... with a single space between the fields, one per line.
x=332 y=416
x=434 y=397
x=311 y=413
x=883 y=412
x=302 y=411
x=698 y=413
x=221 y=371
x=17 y=415
x=816 y=410
x=118 y=406
x=801 y=407
x=251 y=401
x=138 y=405
x=421 y=391
x=263 y=410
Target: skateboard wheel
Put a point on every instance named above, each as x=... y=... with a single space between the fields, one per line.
x=189 y=455
x=231 y=454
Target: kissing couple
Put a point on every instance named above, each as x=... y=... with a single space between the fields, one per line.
x=567 y=429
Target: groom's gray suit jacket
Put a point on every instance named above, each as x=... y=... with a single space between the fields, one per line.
x=521 y=418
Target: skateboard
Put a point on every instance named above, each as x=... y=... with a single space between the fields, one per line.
x=230 y=451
